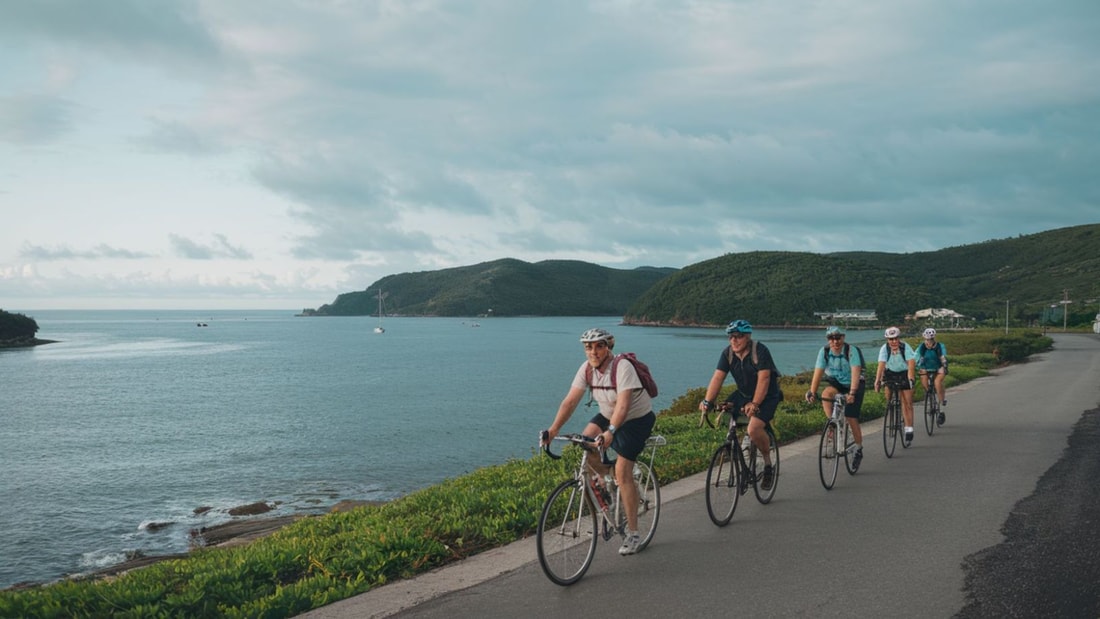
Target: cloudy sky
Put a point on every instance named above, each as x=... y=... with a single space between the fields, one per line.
x=274 y=153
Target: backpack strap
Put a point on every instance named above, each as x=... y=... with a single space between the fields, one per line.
x=755 y=357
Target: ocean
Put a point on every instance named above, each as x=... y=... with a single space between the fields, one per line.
x=115 y=438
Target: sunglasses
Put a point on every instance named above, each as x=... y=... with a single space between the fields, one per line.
x=891 y=339
x=738 y=336
x=836 y=337
x=596 y=345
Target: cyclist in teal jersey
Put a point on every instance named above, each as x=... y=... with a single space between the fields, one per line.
x=841 y=366
x=932 y=359
x=897 y=365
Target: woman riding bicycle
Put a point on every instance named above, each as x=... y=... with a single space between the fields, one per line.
x=841 y=365
x=757 y=396
x=932 y=359
x=897 y=365
x=623 y=423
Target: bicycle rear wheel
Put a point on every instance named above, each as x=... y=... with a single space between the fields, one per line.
x=723 y=485
x=890 y=427
x=757 y=466
x=649 y=501
x=930 y=411
x=828 y=463
x=567 y=533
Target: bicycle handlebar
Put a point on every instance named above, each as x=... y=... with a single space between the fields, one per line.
x=577 y=439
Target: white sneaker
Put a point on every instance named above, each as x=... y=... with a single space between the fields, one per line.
x=630 y=544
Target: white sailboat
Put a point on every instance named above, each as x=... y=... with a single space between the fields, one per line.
x=379 y=328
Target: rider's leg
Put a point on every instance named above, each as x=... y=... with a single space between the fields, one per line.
x=828 y=392
x=907 y=406
x=760 y=438
x=624 y=475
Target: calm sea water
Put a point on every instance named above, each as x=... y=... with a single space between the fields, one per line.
x=140 y=417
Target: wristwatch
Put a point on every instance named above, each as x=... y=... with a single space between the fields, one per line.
x=611 y=428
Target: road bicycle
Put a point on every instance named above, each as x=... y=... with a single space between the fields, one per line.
x=894 y=422
x=836 y=431
x=588 y=506
x=931 y=404
x=736 y=465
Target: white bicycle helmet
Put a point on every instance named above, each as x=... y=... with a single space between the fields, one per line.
x=892 y=332
x=598 y=335
x=929 y=333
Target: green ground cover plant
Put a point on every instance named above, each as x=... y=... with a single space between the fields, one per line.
x=317 y=561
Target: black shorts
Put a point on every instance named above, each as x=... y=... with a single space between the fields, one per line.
x=900 y=380
x=851 y=410
x=767 y=407
x=629 y=440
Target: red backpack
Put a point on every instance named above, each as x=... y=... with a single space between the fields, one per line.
x=641 y=368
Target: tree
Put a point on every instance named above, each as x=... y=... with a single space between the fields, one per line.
x=16 y=326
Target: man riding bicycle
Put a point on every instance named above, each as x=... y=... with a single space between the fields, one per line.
x=841 y=365
x=624 y=422
x=932 y=359
x=757 y=396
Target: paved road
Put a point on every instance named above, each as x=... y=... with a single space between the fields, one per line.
x=918 y=535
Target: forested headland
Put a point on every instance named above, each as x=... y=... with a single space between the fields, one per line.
x=1028 y=276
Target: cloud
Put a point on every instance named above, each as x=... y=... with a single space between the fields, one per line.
x=220 y=248
x=38 y=253
x=34 y=119
x=363 y=139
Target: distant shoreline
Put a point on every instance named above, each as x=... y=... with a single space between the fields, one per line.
x=25 y=343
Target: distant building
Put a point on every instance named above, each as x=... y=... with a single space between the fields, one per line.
x=848 y=315
x=938 y=315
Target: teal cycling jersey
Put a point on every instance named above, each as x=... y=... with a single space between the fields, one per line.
x=929 y=358
x=899 y=361
x=837 y=365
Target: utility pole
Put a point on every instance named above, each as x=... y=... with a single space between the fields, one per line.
x=1065 y=307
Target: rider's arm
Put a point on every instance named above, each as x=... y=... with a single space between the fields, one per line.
x=618 y=416
x=763 y=382
x=815 y=382
x=565 y=410
x=857 y=372
x=716 y=381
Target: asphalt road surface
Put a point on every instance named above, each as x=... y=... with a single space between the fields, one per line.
x=996 y=515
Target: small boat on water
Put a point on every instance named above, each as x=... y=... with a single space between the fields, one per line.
x=381 y=312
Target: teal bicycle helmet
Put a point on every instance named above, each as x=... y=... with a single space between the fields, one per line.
x=739 y=326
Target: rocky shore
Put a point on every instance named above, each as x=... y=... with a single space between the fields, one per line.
x=249 y=524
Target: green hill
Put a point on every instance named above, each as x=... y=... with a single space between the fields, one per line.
x=779 y=288
x=506 y=287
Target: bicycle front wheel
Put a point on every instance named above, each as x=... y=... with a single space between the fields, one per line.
x=723 y=485
x=890 y=428
x=849 y=449
x=827 y=463
x=649 y=501
x=930 y=411
x=567 y=533
x=764 y=495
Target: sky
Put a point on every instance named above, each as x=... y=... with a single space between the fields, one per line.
x=271 y=154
